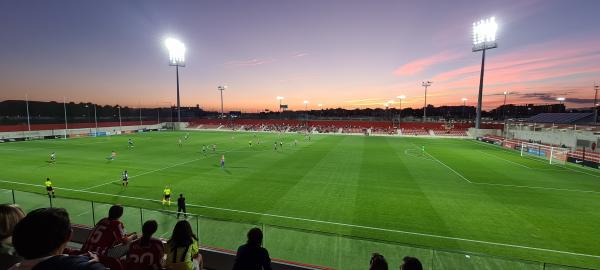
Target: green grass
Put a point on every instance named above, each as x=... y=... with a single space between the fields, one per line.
x=461 y=195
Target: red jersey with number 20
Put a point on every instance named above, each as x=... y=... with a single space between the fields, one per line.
x=107 y=233
x=145 y=257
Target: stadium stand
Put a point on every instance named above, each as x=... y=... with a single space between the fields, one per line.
x=340 y=126
x=561 y=118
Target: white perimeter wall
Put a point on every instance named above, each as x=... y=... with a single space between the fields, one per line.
x=61 y=132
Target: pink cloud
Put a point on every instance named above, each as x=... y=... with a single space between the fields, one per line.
x=248 y=63
x=417 y=66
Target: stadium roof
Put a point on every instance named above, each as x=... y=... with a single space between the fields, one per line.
x=561 y=118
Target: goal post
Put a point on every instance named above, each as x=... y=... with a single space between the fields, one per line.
x=554 y=155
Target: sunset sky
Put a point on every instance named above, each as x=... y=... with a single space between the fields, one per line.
x=341 y=53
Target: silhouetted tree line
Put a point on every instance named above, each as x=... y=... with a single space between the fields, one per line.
x=14 y=111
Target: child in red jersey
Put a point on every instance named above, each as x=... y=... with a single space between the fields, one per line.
x=147 y=252
x=108 y=233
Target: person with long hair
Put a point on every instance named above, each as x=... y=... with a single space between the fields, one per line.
x=183 y=251
x=252 y=256
x=147 y=252
x=378 y=262
x=10 y=215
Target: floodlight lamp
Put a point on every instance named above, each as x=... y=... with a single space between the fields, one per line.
x=485 y=31
x=386 y=105
x=401 y=97
x=279 y=97
x=320 y=105
x=176 y=52
x=464 y=99
x=391 y=101
x=306 y=102
x=505 y=93
x=560 y=98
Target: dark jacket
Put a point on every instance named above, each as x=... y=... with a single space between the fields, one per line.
x=69 y=263
x=8 y=256
x=252 y=257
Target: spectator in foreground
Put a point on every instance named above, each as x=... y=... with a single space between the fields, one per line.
x=378 y=262
x=147 y=252
x=108 y=233
x=411 y=263
x=183 y=252
x=41 y=236
x=10 y=215
x=252 y=256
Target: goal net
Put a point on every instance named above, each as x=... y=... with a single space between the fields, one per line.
x=554 y=155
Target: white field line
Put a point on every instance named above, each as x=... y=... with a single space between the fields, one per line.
x=513 y=186
x=159 y=169
x=510 y=161
x=12 y=149
x=148 y=172
x=566 y=166
x=535 y=187
x=333 y=223
x=460 y=175
x=408 y=152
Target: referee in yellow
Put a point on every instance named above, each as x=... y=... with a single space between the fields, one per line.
x=166 y=196
x=49 y=188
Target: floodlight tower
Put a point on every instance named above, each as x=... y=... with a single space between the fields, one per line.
x=176 y=58
x=305 y=105
x=221 y=89
x=504 y=105
x=484 y=38
x=425 y=84
x=561 y=100
x=464 y=100
x=596 y=88
x=280 y=98
x=400 y=98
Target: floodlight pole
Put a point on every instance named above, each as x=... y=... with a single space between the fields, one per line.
x=480 y=95
x=464 y=107
x=27 y=105
x=96 y=119
x=221 y=89
x=178 y=104
x=65 y=109
x=425 y=84
x=120 y=125
x=504 y=106
x=141 y=123
x=596 y=88
x=400 y=113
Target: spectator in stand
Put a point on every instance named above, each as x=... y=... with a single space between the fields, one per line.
x=411 y=263
x=10 y=215
x=147 y=252
x=252 y=256
x=41 y=236
x=109 y=234
x=183 y=251
x=378 y=262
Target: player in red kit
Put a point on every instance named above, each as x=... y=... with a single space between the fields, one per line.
x=108 y=233
x=147 y=252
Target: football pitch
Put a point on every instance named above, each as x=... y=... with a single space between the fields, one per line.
x=411 y=194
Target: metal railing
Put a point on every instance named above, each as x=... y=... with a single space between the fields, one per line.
x=330 y=250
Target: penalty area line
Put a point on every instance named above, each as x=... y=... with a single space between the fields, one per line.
x=334 y=223
x=457 y=173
